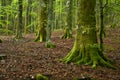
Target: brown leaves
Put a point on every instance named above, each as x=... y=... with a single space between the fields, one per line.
x=26 y=59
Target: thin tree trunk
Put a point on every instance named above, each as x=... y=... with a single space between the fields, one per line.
x=50 y=24
x=68 y=28
x=20 y=24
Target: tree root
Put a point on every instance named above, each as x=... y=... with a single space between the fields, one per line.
x=67 y=34
x=88 y=58
x=49 y=45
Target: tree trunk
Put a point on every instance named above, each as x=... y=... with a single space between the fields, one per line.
x=101 y=24
x=29 y=8
x=19 y=26
x=50 y=24
x=86 y=49
x=68 y=29
x=42 y=20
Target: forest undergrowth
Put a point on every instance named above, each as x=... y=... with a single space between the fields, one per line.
x=26 y=58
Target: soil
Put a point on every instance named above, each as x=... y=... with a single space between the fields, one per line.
x=26 y=58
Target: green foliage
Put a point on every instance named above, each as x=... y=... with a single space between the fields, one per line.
x=10 y=11
x=2 y=23
x=6 y=31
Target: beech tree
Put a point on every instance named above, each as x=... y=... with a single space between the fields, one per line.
x=42 y=20
x=49 y=25
x=68 y=28
x=86 y=49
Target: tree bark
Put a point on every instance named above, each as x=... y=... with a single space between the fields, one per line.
x=42 y=20
x=20 y=25
x=86 y=49
x=68 y=29
x=49 y=25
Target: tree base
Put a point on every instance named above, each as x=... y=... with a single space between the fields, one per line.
x=88 y=57
x=40 y=38
x=49 y=45
x=67 y=34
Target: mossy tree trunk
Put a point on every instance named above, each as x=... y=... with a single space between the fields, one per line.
x=28 y=17
x=58 y=14
x=20 y=24
x=102 y=31
x=68 y=28
x=49 y=25
x=86 y=49
x=101 y=24
x=42 y=20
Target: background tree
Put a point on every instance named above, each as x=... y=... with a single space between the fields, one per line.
x=19 y=28
x=28 y=9
x=86 y=49
x=49 y=24
x=9 y=15
x=58 y=14
x=102 y=32
x=42 y=20
x=68 y=27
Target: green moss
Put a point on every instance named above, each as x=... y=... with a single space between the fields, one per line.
x=41 y=77
x=85 y=52
x=49 y=45
x=41 y=37
x=67 y=34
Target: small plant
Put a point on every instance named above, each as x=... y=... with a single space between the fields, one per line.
x=41 y=77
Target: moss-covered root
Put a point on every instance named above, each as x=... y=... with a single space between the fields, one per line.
x=40 y=38
x=37 y=39
x=71 y=56
x=98 y=60
x=41 y=77
x=88 y=58
x=67 y=34
x=49 y=45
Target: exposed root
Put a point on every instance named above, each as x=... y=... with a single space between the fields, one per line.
x=67 y=34
x=37 y=39
x=90 y=57
x=40 y=38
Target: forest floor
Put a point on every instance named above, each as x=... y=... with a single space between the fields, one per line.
x=26 y=58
